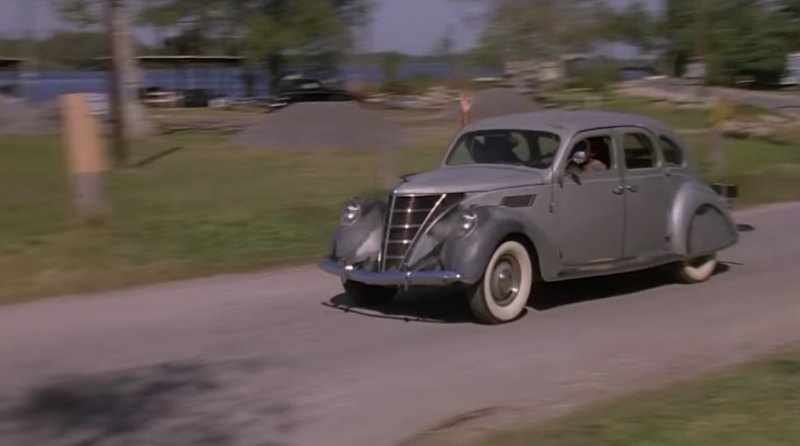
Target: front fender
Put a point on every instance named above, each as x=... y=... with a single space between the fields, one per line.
x=469 y=255
x=360 y=242
x=700 y=222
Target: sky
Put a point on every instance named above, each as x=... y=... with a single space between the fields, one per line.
x=416 y=26
x=410 y=26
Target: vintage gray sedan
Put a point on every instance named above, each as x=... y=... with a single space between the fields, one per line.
x=544 y=196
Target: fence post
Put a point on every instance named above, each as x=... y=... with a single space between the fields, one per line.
x=721 y=112
x=86 y=161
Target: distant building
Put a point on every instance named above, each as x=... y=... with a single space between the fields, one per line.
x=792 y=76
x=695 y=71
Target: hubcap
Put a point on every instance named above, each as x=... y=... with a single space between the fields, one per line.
x=505 y=280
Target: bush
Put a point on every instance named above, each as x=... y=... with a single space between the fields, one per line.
x=409 y=86
x=596 y=75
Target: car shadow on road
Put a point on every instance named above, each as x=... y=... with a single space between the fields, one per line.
x=161 y=404
x=559 y=294
x=438 y=306
x=449 y=306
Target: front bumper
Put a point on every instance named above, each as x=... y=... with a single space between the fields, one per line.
x=403 y=279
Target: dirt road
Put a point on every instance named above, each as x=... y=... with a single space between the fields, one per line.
x=259 y=360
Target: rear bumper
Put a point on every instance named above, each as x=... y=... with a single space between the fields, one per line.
x=394 y=278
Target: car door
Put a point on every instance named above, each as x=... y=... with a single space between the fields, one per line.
x=590 y=206
x=648 y=193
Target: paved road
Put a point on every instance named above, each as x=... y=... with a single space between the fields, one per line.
x=259 y=360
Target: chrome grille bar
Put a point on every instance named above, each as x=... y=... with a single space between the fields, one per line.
x=406 y=219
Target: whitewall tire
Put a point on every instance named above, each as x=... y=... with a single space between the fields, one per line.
x=696 y=270
x=503 y=292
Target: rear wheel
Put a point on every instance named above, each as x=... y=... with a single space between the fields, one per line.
x=503 y=292
x=696 y=270
x=368 y=295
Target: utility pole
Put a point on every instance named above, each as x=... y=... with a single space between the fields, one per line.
x=701 y=36
x=28 y=51
x=127 y=114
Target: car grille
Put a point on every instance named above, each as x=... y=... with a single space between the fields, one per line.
x=408 y=216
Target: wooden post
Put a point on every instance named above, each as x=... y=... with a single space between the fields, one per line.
x=86 y=162
x=386 y=167
x=721 y=112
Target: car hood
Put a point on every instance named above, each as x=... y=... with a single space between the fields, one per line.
x=469 y=179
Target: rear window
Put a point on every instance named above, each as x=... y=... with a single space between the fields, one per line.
x=673 y=154
x=639 y=152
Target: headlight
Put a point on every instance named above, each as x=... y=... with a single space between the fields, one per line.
x=350 y=214
x=466 y=223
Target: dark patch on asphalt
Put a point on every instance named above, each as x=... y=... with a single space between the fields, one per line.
x=176 y=404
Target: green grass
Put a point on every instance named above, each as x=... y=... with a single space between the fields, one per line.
x=208 y=208
x=681 y=118
x=213 y=208
x=765 y=172
x=755 y=404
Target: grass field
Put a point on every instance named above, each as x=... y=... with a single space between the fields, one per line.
x=207 y=208
x=687 y=118
x=213 y=208
x=754 y=404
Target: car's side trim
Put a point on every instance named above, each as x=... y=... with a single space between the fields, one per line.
x=623 y=266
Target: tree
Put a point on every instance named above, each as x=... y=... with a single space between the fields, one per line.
x=790 y=11
x=297 y=27
x=745 y=40
x=127 y=112
x=445 y=45
x=541 y=29
x=635 y=25
x=734 y=38
x=268 y=32
x=391 y=62
x=128 y=116
x=443 y=50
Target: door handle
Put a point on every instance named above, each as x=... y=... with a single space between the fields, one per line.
x=618 y=190
x=633 y=189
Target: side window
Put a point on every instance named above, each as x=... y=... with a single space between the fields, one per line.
x=639 y=151
x=673 y=154
x=599 y=151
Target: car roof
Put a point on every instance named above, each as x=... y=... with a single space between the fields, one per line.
x=566 y=123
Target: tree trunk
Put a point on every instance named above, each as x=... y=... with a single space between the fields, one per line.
x=274 y=70
x=127 y=113
x=716 y=151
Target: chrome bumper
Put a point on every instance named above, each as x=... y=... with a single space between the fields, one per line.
x=395 y=278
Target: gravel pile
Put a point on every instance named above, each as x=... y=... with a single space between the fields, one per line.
x=18 y=117
x=323 y=125
x=496 y=102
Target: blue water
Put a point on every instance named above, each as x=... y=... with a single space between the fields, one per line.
x=47 y=85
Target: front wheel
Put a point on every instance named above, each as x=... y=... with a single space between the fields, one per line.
x=696 y=270
x=368 y=295
x=503 y=292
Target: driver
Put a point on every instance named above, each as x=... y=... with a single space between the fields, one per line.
x=592 y=164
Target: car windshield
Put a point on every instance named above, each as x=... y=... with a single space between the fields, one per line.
x=529 y=148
